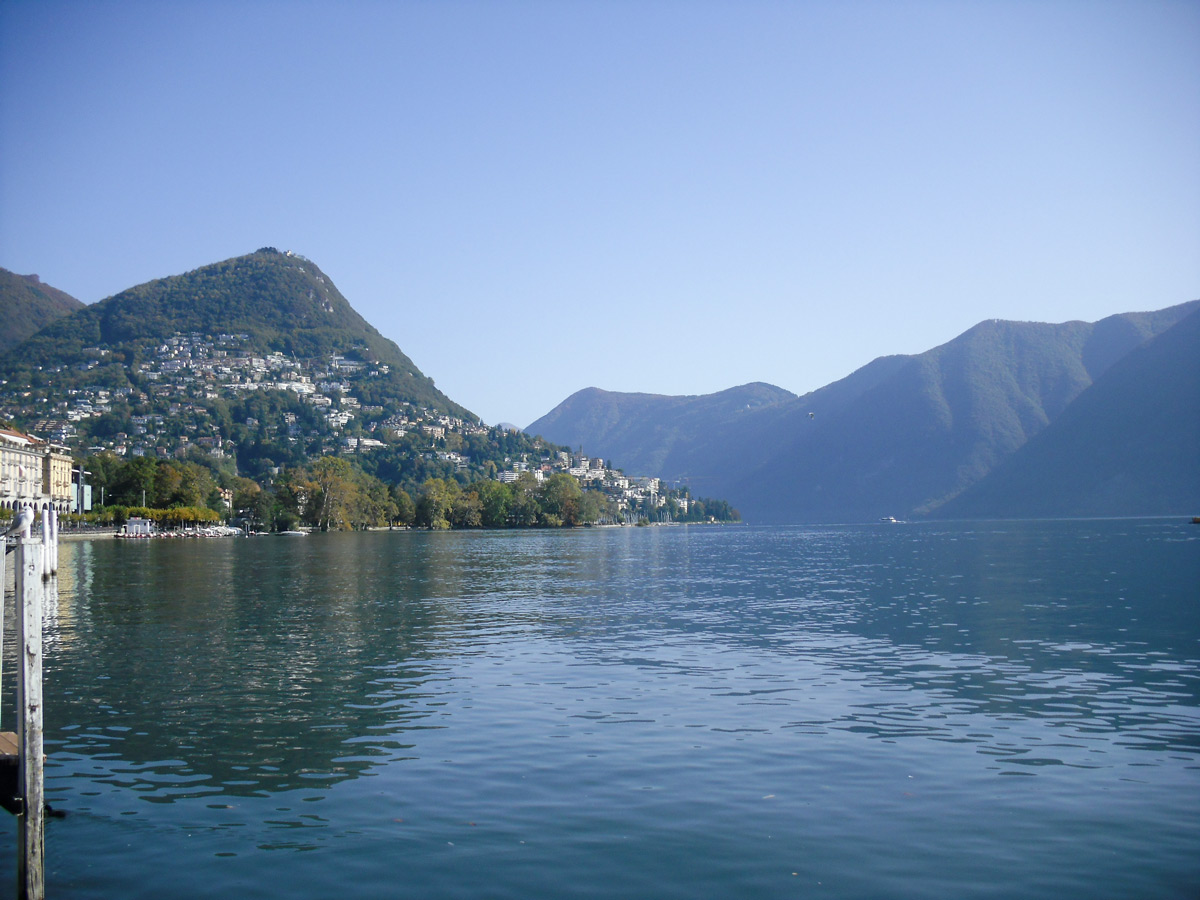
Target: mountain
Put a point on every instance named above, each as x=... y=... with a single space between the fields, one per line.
x=281 y=302
x=253 y=364
x=642 y=432
x=27 y=306
x=1129 y=445
x=901 y=436
x=252 y=385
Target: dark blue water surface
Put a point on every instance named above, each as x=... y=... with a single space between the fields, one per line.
x=986 y=710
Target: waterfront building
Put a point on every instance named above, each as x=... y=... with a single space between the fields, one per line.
x=34 y=472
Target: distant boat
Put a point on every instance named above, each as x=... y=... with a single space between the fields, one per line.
x=1196 y=520
x=890 y=520
x=294 y=533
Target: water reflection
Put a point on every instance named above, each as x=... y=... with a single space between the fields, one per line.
x=640 y=712
x=237 y=666
x=251 y=667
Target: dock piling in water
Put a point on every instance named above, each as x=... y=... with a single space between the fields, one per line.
x=22 y=761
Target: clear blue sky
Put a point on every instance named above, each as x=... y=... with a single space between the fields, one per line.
x=674 y=197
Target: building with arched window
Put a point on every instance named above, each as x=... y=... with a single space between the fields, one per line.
x=34 y=473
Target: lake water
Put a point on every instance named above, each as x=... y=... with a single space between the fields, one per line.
x=989 y=710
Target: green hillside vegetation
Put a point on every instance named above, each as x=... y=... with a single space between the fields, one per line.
x=333 y=493
x=116 y=354
x=251 y=386
x=282 y=303
x=27 y=306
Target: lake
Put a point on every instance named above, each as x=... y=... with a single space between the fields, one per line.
x=925 y=710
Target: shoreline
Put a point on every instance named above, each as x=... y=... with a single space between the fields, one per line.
x=108 y=535
x=86 y=535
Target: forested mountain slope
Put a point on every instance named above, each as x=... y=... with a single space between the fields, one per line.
x=27 y=306
x=258 y=360
x=281 y=302
x=1129 y=445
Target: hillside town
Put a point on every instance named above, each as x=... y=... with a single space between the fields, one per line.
x=174 y=400
x=43 y=475
x=184 y=373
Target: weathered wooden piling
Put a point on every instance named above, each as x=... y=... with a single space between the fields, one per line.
x=35 y=571
x=31 y=829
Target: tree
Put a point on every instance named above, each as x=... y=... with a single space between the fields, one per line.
x=524 y=509
x=168 y=484
x=133 y=482
x=559 y=497
x=433 y=507
x=196 y=486
x=495 y=499
x=466 y=511
x=406 y=510
x=246 y=494
x=595 y=507
x=377 y=507
x=296 y=498
x=103 y=469
x=334 y=478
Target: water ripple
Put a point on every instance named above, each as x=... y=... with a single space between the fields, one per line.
x=645 y=711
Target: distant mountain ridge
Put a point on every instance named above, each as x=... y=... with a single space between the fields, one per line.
x=643 y=431
x=27 y=306
x=261 y=357
x=903 y=435
x=1129 y=445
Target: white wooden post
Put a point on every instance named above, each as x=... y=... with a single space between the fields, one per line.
x=51 y=541
x=45 y=538
x=3 y=589
x=32 y=820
